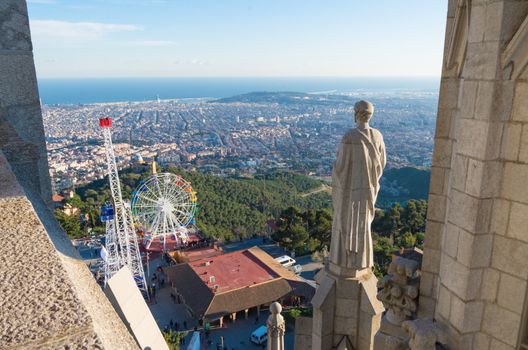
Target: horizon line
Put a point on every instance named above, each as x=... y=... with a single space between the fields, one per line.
x=254 y=77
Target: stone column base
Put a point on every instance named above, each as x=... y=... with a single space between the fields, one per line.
x=346 y=311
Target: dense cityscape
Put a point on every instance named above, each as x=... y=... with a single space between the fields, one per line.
x=233 y=136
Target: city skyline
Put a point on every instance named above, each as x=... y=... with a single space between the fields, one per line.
x=135 y=38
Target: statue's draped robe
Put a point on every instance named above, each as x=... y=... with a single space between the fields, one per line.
x=355 y=185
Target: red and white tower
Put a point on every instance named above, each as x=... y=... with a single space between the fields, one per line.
x=122 y=231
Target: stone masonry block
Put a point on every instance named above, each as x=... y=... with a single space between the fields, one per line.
x=520 y=107
x=518 y=226
x=431 y=261
x=523 y=151
x=18 y=83
x=444 y=122
x=510 y=256
x=427 y=284
x=514 y=182
x=493 y=19
x=464 y=210
x=481 y=253
x=498 y=345
x=481 y=61
x=449 y=93
x=459 y=172
x=481 y=341
x=466 y=316
x=490 y=284
x=443 y=306
x=485 y=100
x=442 y=152
x=478 y=24
x=426 y=308
x=450 y=246
x=437 y=180
x=436 y=208
x=500 y=216
x=511 y=141
x=433 y=238
x=468 y=98
x=457 y=277
x=511 y=293
x=501 y=323
x=472 y=137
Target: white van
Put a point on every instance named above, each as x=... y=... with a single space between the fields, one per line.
x=259 y=335
x=286 y=260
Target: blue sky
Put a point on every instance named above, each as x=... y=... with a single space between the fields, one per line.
x=237 y=38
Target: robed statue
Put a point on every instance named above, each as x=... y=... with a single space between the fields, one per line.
x=355 y=185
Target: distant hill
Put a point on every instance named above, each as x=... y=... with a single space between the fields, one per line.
x=287 y=97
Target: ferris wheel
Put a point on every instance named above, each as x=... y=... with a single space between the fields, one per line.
x=164 y=205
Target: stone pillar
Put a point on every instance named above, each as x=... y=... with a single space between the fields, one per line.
x=275 y=328
x=346 y=312
x=233 y=317
x=21 y=129
x=246 y=311
x=475 y=260
x=221 y=321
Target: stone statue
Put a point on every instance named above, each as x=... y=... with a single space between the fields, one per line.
x=355 y=185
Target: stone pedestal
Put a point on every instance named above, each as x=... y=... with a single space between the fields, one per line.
x=346 y=312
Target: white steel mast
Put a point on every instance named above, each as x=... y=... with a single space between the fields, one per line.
x=123 y=226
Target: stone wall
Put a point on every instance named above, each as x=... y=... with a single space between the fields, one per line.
x=21 y=129
x=49 y=298
x=475 y=266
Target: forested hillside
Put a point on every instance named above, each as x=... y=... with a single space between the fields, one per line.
x=229 y=208
x=233 y=208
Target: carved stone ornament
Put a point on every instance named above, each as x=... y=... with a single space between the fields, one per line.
x=399 y=290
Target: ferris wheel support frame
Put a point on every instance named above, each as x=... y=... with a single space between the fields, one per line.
x=123 y=227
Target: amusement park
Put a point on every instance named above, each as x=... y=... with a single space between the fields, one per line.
x=190 y=284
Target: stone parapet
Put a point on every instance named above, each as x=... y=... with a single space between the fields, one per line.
x=49 y=298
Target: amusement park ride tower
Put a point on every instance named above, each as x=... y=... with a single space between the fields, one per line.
x=121 y=239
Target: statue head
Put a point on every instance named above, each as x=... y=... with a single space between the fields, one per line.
x=363 y=111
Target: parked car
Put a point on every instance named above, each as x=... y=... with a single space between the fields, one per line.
x=286 y=260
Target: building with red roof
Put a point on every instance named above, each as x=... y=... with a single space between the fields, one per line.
x=227 y=284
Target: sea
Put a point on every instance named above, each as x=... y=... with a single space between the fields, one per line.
x=101 y=90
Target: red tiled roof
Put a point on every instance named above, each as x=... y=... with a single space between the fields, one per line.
x=233 y=270
x=57 y=198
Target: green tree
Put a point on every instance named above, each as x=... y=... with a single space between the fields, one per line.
x=70 y=224
x=173 y=338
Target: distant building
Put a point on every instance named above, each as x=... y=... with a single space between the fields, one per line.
x=239 y=282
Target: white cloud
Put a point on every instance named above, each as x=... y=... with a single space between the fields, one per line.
x=79 y=31
x=151 y=43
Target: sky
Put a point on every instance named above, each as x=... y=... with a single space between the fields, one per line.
x=237 y=38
